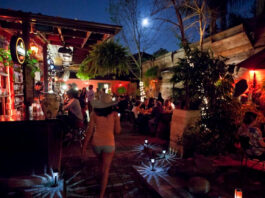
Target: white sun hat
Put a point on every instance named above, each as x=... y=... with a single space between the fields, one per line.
x=104 y=102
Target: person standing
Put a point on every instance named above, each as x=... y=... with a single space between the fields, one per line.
x=90 y=97
x=104 y=122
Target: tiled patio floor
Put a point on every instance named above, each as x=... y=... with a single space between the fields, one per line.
x=125 y=182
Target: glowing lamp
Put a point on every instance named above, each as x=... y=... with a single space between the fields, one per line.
x=238 y=193
x=55 y=177
x=146 y=141
x=119 y=114
x=153 y=164
x=252 y=72
x=34 y=49
x=164 y=152
x=64 y=87
x=76 y=88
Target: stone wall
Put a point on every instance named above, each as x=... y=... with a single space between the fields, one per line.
x=233 y=44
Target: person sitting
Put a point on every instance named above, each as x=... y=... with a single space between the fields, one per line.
x=249 y=129
x=155 y=117
x=167 y=106
x=159 y=98
x=145 y=107
x=151 y=103
x=136 y=109
x=75 y=116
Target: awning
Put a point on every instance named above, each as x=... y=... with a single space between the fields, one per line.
x=80 y=35
x=257 y=61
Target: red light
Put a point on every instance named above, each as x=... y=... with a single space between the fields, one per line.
x=252 y=72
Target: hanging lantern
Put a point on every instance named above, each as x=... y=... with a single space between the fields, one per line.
x=66 y=75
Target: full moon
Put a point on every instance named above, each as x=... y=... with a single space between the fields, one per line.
x=145 y=22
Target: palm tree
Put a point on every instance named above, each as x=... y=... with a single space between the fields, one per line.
x=104 y=58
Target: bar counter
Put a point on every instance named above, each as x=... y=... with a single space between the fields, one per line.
x=27 y=146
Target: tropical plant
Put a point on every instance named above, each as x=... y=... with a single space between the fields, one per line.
x=206 y=83
x=104 y=58
x=152 y=72
x=5 y=57
x=31 y=63
x=134 y=35
x=198 y=76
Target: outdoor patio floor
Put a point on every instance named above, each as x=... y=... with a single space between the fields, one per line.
x=125 y=182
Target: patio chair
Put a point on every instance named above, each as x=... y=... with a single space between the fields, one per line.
x=245 y=146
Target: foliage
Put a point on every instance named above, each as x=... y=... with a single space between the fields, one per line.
x=253 y=108
x=199 y=75
x=134 y=36
x=32 y=64
x=160 y=52
x=104 y=58
x=5 y=57
x=152 y=72
x=83 y=72
x=206 y=83
x=219 y=127
x=121 y=90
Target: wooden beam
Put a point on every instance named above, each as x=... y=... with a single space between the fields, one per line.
x=61 y=35
x=10 y=25
x=43 y=37
x=106 y=37
x=75 y=33
x=85 y=40
x=37 y=39
x=31 y=28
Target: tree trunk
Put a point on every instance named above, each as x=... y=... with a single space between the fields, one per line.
x=181 y=26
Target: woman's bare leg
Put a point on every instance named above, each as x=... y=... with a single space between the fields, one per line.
x=105 y=167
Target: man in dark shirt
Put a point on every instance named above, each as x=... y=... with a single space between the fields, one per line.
x=123 y=105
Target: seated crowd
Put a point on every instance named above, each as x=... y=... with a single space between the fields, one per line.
x=146 y=115
x=149 y=113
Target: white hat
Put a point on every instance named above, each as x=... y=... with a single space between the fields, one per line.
x=104 y=102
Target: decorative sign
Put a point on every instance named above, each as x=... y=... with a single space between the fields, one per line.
x=18 y=49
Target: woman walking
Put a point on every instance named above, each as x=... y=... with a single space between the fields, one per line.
x=104 y=122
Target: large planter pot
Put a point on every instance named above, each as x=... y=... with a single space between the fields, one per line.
x=50 y=105
x=181 y=120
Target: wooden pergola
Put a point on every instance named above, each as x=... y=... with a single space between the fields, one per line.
x=80 y=35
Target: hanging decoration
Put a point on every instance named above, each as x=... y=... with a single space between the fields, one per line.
x=142 y=92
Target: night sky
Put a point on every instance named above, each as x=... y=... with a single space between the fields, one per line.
x=88 y=10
